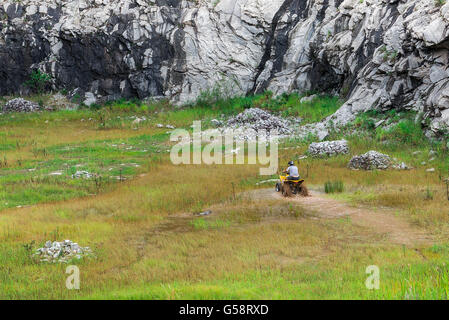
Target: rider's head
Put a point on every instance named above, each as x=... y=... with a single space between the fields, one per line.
x=291 y=163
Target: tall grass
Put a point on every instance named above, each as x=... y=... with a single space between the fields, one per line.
x=333 y=187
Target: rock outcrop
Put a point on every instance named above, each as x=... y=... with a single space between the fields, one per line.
x=380 y=54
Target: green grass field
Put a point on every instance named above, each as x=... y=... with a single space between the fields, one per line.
x=137 y=211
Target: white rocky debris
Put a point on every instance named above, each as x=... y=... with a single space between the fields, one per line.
x=370 y=161
x=375 y=160
x=62 y=252
x=21 y=105
x=328 y=148
x=258 y=120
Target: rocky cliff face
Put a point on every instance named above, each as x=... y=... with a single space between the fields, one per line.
x=377 y=53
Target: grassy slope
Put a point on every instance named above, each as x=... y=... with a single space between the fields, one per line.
x=148 y=244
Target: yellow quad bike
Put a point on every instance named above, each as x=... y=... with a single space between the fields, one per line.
x=291 y=187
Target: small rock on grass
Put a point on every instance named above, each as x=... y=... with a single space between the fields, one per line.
x=82 y=175
x=400 y=166
x=308 y=99
x=379 y=123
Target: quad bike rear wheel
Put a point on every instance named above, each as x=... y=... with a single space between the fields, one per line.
x=294 y=190
x=303 y=191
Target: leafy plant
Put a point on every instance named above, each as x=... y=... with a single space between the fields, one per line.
x=38 y=81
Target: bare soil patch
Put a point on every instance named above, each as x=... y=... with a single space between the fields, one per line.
x=384 y=221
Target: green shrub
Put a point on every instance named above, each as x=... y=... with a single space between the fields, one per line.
x=38 y=81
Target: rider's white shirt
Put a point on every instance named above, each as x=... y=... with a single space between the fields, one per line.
x=293 y=171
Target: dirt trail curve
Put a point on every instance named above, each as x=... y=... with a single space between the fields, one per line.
x=383 y=221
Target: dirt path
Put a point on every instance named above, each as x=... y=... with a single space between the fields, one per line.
x=382 y=221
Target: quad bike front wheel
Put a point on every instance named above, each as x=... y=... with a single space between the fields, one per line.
x=278 y=187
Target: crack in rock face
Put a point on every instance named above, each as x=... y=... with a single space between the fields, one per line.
x=377 y=54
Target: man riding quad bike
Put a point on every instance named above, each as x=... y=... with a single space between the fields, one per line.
x=291 y=184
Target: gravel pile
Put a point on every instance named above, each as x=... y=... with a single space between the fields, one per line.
x=328 y=148
x=61 y=252
x=21 y=105
x=370 y=161
x=258 y=119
